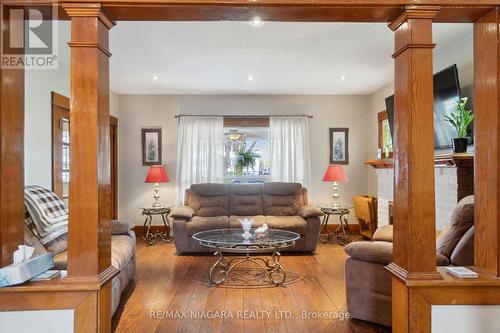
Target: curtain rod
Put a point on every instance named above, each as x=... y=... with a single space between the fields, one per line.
x=234 y=116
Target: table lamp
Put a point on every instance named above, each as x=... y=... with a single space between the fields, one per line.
x=335 y=173
x=157 y=174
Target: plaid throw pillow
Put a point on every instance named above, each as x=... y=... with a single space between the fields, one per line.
x=52 y=208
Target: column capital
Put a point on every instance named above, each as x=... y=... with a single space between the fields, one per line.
x=414 y=12
x=89 y=10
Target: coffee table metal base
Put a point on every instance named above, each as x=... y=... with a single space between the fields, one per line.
x=220 y=270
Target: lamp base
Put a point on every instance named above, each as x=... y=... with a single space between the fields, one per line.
x=156 y=189
x=335 y=196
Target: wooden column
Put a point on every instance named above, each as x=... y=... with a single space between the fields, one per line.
x=12 y=159
x=414 y=252
x=89 y=239
x=487 y=143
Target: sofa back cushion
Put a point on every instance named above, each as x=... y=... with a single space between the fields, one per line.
x=282 y=199
x=209 y=199
x=245 y=199
x=462 y=218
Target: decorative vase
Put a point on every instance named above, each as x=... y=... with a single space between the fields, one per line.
x=246 y=224
x=460 y=145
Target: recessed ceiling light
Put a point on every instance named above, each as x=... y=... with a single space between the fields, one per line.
x=343 y=78
x=250 y=77
x=256 y=21
x=155 y=77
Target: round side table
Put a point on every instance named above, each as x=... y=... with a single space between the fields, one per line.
x=149 y=212
x=342 y=232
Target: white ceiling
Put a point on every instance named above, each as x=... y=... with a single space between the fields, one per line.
x=283 y=58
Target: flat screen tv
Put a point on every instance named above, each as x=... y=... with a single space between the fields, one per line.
x=446 y=94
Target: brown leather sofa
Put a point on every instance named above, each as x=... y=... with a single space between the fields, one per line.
x=218 y=206
x=368 y=283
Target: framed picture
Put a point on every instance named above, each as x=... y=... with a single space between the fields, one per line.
x=151 y=146
x=339 y=145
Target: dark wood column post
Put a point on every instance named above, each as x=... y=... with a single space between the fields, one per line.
x=414 y=252
x=487 y=143
x=12 y=159
x=89 y=240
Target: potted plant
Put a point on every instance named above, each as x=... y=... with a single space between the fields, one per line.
x=245 y=158
x=460 y=120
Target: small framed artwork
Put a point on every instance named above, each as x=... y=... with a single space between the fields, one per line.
x=151 y=146
x=339 y=145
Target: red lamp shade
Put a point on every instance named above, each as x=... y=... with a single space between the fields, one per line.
x=335 y=173
x=157 y=174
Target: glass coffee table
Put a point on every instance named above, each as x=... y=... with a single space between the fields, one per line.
x=225 y=241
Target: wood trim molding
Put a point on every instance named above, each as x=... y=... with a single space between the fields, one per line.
x=413 y=46
x=414 y=200
x=414 y=12
x=90 y=45
x=487 y=137
x=466 y=159
x=89 y=10
x=11 y=159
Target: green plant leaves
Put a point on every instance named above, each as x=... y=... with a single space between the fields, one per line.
x=461 y=118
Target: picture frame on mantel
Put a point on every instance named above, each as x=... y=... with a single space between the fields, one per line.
x=151 y=146
x=339 y=145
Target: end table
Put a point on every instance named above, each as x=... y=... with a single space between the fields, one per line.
x=342 y=231
x=149 y=236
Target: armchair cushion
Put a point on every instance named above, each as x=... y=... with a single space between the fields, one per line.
x=309 y=211
x=462 y=218
x=463 y=254
x=121 y=227
x=183 y=212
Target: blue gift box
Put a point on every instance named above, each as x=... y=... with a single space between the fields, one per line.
x=16 y=274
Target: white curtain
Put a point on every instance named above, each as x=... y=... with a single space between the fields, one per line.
x=200 y=152
x=289 y=140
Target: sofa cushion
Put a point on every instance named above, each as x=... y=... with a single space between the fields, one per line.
x=462 y=218
x=291 y=223
x=121 y=227
x=209 y=199
x=199 y=223
x=282 y=199
x=463 y=254
x=245 y=199
x=234 y=220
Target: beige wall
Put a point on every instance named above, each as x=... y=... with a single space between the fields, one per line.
x=137 y=111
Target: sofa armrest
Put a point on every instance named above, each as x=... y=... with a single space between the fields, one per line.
x=380 y=253
x=383 y=233
x=121 y=227
x=309 y=211
x=377 y=252
x=183 y=213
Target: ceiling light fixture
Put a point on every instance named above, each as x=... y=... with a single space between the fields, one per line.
x=343 y=78
x=257 y=21
x=154 y=77
x=250 y=77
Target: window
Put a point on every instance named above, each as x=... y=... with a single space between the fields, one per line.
x=246 y=150
x=384 y=133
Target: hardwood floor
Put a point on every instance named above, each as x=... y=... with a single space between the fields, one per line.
x=173 y=294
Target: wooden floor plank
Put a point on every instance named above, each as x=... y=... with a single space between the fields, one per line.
x=166 y=282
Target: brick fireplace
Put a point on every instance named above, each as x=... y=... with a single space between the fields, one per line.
x=454 y=179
